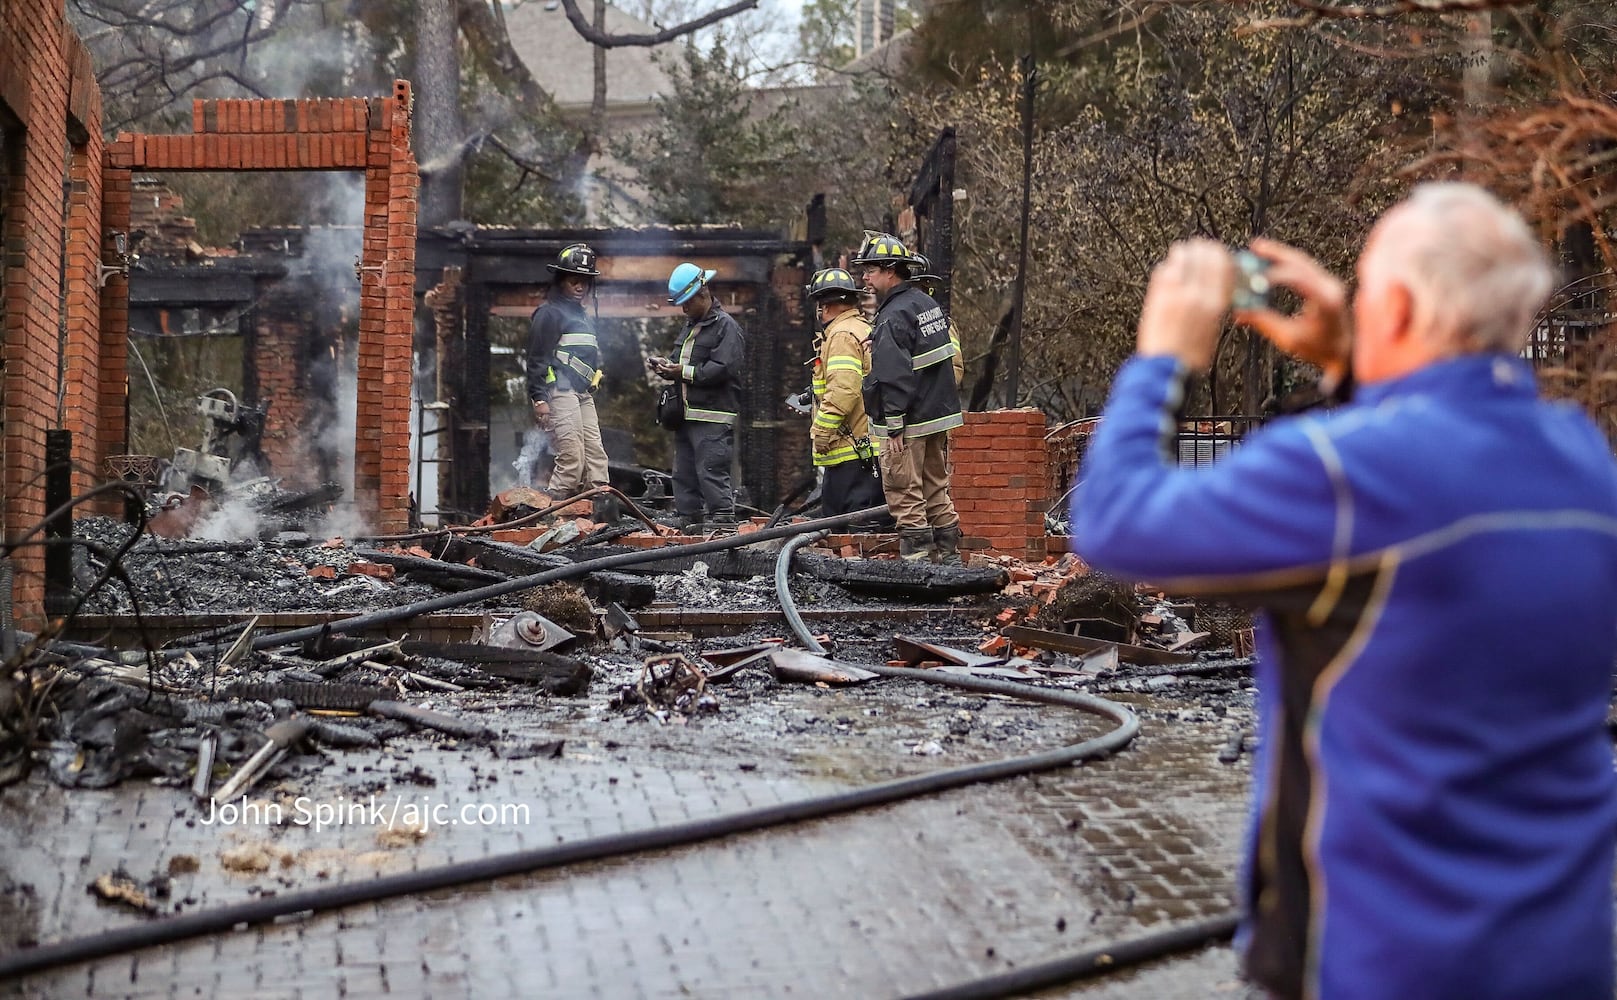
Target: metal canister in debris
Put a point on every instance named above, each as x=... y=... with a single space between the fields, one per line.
x=529 y=630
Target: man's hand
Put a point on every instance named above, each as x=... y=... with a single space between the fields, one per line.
x=541 y=414
x=1185 y=303
x=1320 y=332
x=894 y=444
x=664 y=368
x=822 y=439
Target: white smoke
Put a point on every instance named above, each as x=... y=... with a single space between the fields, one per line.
x=234 y=521
x=337 y=437
x=311 y=59
x=532 y=464
x=343 y=521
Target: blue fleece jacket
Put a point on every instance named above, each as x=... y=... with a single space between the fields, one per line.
x=1433 y=808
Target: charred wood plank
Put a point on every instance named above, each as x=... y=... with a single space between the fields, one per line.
x=552 y=673
x=453 y=725
x=1061 y=642
x=334 y=697
x=449 y=576
x=875 y=577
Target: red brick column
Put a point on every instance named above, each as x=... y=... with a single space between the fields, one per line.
x=372 y=135
x=1000 y=484
x=47 y=84
x=278 y=362
x=386 y=316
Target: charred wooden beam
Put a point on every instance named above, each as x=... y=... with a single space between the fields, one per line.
x=602 y=586
x=876 y=577
x=1064 y=643
x=551 y=672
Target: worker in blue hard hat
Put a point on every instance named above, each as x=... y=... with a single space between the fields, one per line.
x=564 y=371
x=702 y=402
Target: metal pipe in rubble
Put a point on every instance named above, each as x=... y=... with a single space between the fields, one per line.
x=388 y=616
x=263 y=910
x=783 y=590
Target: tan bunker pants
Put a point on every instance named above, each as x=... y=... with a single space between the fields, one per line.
x=917 y=482
x=575 y=433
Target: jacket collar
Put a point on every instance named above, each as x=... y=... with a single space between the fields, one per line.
x=557 y=298
x=894 y=292
x=1468 y=375
x=852 y=318
x=714 y=312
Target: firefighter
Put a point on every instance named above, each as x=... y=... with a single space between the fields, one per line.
x=706 y=369
x=564 y=361
x=840 y=432
x=912 y=402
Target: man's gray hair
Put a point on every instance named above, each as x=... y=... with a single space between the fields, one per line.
x=1479 y=263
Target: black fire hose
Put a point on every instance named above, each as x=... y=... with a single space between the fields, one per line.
x=783 y=590
x=263 y=910
x=1099 y=961
x=1096 y=961
x=388 y=616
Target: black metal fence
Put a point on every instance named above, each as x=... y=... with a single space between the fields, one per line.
x=1205 y=440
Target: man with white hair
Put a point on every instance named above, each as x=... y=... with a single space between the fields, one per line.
x=1434 y=806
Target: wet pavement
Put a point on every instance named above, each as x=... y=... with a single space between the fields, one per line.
x=881 y=903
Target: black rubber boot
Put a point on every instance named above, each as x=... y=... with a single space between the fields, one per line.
x=915 y=544
x=947 y=543
x=720 y=523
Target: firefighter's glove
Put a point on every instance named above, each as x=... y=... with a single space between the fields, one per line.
x=801 y=402
x=824 y=439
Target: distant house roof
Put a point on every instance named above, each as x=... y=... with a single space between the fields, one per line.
x=886 y=59
x=562 y=62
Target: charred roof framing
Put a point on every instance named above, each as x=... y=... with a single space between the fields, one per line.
x=502 y=273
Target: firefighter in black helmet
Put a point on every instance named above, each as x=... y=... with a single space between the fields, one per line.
x=840 y=432
x=912 y=401
x=564 y=361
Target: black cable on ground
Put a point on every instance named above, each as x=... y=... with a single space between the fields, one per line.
x=309 y=901
x=783 y=590
x=1062 y=970
x=1105 y=959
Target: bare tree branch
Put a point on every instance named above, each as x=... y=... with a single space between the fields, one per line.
x=526 y=164
x=1392 y=8
x=604 y=40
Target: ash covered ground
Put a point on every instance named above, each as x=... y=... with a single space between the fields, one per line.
x=883 y=728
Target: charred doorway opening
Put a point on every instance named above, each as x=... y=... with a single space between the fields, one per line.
x=483 y=285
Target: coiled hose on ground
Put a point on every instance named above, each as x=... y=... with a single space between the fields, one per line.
x=1107 y=958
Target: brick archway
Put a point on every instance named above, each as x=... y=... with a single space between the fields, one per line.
x=371 y=135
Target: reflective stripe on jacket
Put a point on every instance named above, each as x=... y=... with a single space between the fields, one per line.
x=710 y=354
x=563 y=353
x=911 y=388
x=839 y=408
